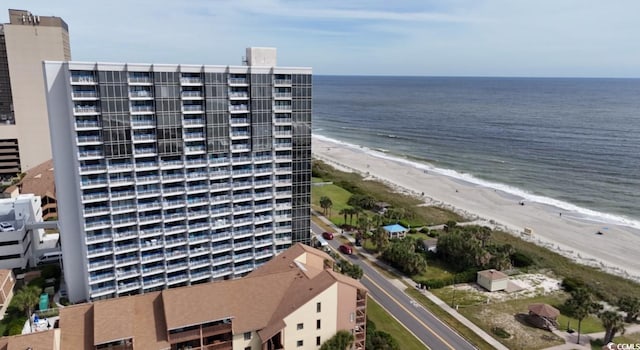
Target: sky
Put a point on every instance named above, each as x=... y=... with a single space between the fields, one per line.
x=532 y=38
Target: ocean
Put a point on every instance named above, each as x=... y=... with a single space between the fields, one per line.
x=570 y=143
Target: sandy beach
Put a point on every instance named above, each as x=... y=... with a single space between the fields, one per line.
x=617 y=251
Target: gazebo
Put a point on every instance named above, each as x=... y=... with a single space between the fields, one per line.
x=395 y=231
x=543 y=316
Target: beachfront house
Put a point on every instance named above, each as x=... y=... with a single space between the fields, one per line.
x=493 y=280
x=395 y=231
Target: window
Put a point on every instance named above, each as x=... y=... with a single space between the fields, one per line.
x=317 y=324
x=299 y=343
x=247 y=336
x=352 y=317
x=318 y=341
x=247 y=348
x=318 y=307
x=300 y=326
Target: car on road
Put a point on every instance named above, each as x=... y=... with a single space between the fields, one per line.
x=346 y=249
x=327 y=235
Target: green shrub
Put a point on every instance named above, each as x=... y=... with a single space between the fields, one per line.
x=500 y=332
x=413 y=230
x=38 y=281
x=569 y=284
x=521 y=260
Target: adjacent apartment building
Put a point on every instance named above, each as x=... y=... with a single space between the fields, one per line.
x=25 y=42
x=294 y=301
x=20 y=231
x=169 y=175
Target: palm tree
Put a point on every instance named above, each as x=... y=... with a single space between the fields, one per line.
x=581 y=305
x=377 y=220
x=342 y=340
x=25 y=298
x=630 y=305
x=345 y=212
x=363 y=224
x=325 y=203
x=381 y=239
x=612 y=323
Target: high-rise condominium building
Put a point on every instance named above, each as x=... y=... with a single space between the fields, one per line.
x=25 y=42
x=169 y=175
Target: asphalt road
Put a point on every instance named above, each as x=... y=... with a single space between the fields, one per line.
x=422 y=323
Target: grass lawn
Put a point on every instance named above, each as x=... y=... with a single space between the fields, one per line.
x=508 y=315
x=449 y=320
x=384 y=322
x=435 y=269
x=338 y=196
x=350 y=182
x=633 y=338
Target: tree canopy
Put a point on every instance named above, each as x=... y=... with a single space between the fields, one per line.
x=342 y=340
x=403 y=255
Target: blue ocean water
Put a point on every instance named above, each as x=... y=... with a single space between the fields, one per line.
x=573 y=143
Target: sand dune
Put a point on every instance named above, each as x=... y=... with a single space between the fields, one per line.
x=617 y=251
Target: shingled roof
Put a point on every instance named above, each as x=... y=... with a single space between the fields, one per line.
x=258 y=302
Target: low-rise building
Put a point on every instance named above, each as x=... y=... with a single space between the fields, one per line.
x=18 y=240
x=493 y=280
x=294 y=301
x=39 y=181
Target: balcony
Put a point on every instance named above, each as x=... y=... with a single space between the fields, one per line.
x=81 y=95
x=122 y=194
x=194 y=136
x=191 y=81
x=284 y=82
x=283 y=145
x=100 y=264
x=243 y=147
x=95 y=197
x=83 y=79
x=238 y=95
x=140 y=94
x=141 y=109
x=149 y=151
x=192 y=109
x=286 y=134
x=243 y=108
x=193 y=122
x=237 y=81
x=192 y=95
x=139 y=79
x=139 y=123
x=239 y=121
x=239 y=135
x=140 y=138
x=84 y=155
x=195 y=149
x=282 y=120
x=282 y=95
x=84 y=140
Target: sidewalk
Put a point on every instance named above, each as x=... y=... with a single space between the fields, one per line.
x=585 y=339
x=402 y=286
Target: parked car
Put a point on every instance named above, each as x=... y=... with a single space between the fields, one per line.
x=346 y=249
x=6 y=227
x=327 y=235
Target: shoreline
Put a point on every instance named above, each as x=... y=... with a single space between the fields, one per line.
x=565 y=232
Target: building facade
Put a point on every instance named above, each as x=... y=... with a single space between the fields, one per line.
x=19 y=231
x=168 y=175
x=25 y=42
x=294 y=301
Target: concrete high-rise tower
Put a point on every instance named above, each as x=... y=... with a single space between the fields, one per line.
x=170 y=175
x=25 y=42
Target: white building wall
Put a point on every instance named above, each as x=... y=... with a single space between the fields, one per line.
x=68 y=181
x=18 y=212
x=307 y=315
x=240 y=343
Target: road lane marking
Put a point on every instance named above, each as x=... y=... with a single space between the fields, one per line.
x=399 y=322
x=410 y=313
